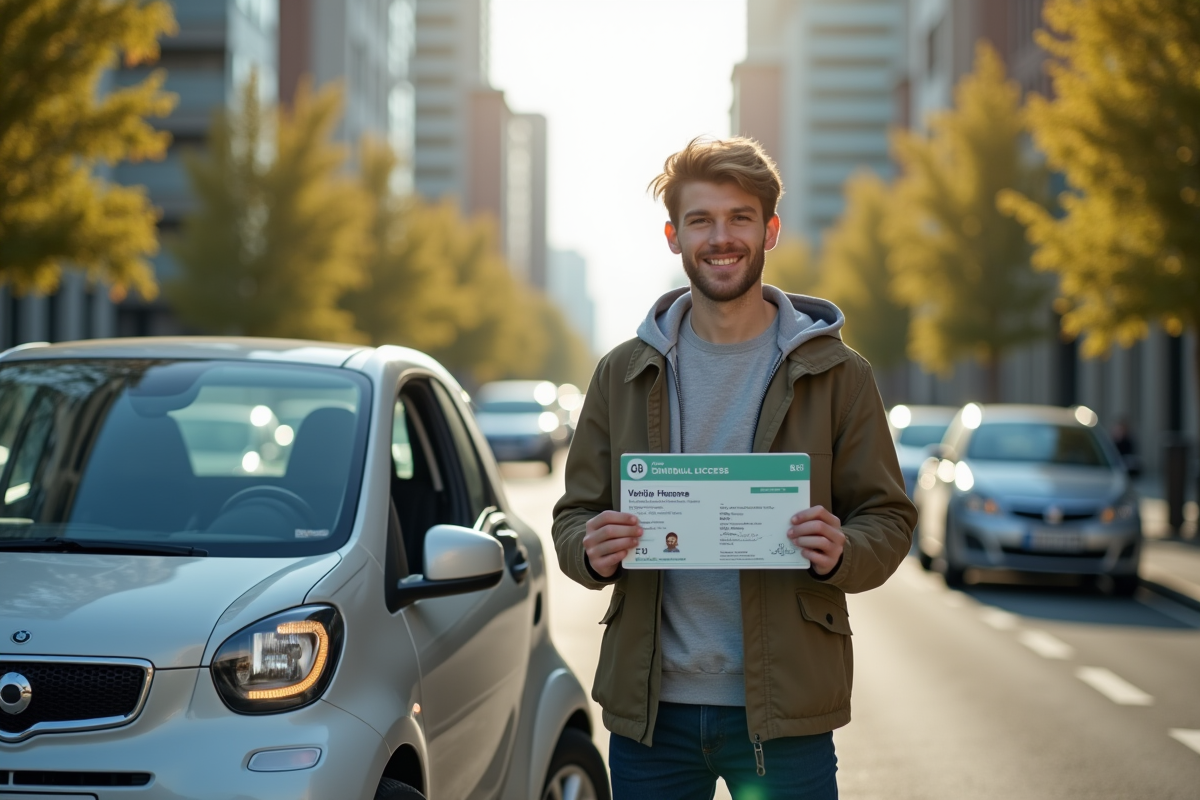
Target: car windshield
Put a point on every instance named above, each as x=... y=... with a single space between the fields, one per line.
x=921 y=435
x=511 y=407
x=233 y=458
x=1037 y=442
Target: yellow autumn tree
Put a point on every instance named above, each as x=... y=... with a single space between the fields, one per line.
x=958 y=263
x=1124 y=130
x=854 y=274
x=56 y=128
x=278 y=234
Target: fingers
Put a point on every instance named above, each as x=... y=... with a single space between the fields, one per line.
x=608 y=538
x=818 y=535
x=816 y=513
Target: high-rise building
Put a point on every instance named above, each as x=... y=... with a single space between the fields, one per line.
x=566 y=284
x=218 y=46
x=469 y=145
x=816 y=89
x=366 y=46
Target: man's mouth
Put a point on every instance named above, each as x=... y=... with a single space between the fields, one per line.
x=722 y=260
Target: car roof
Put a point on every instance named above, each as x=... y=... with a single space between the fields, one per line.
x=930 y=414
x=236 y=348
x=1013 y=412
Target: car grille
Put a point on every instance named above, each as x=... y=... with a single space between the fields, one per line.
x=75 y=694
x=59 y=778
x=1068 y=516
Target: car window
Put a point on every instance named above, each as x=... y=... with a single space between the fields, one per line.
x=921 y=435
x=475 y=483
x=1037 y=442
x=402 y=456
x=233 y=458
x=512 y=407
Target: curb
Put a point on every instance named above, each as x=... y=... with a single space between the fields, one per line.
x=1183 y=598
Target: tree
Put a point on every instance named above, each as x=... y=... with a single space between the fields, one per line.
x=55 y=129
x=854 y=274
x=958 y=263
x=790 y=266
x=278 y=235
x=1124 y=130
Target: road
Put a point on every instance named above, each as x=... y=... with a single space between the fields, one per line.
x=1002 y=690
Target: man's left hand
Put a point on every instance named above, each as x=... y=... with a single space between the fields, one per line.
x=819 y=536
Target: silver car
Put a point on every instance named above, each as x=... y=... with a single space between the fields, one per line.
x=268 y=569
x=1029 y=488
x=915 y=429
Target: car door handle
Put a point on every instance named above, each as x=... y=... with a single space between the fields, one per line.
x=516 y=557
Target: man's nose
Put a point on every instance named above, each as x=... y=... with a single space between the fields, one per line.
x=719 y=233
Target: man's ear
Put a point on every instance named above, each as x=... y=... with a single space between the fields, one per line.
x=772 y=237
x=672 y=237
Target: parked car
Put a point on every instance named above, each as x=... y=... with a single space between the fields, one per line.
x=1029 y=488
x=915 y=429
x=522 y=420
x=355 y=614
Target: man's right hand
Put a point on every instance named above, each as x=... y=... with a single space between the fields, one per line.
x=608 y=539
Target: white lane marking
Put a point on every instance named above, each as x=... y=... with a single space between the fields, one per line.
x=1113 y=686
x=1045 y=645
x=1000 y=620
x=1168 y=607
x=1187 y=738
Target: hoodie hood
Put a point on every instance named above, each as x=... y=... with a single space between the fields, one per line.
x=801 y=318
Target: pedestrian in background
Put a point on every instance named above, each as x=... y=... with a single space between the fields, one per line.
x=725 y=673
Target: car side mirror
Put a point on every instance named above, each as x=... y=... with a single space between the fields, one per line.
x=457 y=561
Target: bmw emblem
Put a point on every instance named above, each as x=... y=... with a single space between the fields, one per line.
x=21 y=637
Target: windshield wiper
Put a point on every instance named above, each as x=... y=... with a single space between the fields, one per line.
x=58 y=544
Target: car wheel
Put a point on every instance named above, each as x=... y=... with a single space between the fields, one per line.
x=576 y=770
x=1124 y=585
x=392 y=789
x=924 y=559
x=953 y=573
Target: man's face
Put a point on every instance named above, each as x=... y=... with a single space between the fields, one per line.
x=672 y=541
x=722 y=238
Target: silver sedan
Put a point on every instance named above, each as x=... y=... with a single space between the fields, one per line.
x=1032 y=489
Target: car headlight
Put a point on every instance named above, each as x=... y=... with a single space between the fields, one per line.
x=1119 y=511
x=982 y=505
x=279 y=663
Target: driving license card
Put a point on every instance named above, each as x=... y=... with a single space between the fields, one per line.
x=720 y=511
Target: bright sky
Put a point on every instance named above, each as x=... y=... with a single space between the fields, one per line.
x=623 y=83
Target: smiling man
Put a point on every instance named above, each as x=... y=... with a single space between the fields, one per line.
x=737 y=674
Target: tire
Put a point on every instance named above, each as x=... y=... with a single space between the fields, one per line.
x=1124 y=585
x=954 y=576
x=392 y=789
x=924 y=560
x=576 y=770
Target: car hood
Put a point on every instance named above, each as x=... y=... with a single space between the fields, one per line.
x=153 y=607
x=911 y=458
x=1018 y=480
x=509 y=424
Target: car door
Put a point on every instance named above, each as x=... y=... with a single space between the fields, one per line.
x=473 y=648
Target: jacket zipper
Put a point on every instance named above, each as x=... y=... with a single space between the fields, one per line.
x=762 y=398
x=679 y=398
x=759 y=761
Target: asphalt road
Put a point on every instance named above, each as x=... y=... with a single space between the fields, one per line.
x=1003 y=690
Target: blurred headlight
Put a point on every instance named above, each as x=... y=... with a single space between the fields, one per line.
x=982 y=505
x=1119 y=512
x=279 y=663
x=547 y=421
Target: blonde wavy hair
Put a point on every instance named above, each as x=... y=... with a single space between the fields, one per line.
x=735 y=160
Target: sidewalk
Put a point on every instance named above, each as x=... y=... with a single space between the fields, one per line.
x=1171 y=566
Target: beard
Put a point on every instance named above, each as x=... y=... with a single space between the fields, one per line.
x=731 y=289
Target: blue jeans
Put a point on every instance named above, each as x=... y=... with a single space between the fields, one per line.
x=694 y=745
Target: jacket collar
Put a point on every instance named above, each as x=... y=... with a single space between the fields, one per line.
x=810 y=358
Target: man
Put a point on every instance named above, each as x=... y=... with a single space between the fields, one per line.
x=672 y=543
x=707 y=673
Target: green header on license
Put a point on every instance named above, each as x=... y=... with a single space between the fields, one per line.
x=717 y=467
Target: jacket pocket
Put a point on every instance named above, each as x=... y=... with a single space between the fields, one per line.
x=614 y=607
x=827 y=613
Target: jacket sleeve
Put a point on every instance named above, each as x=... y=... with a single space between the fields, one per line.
x=588 y=484
x=868 y=492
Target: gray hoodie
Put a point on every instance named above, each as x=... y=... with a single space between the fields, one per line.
x=701 y=633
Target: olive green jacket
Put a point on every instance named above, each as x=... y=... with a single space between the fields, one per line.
x=795 y=628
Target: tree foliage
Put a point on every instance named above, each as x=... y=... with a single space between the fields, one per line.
x=1124 y=129
x=959 y=264
x=854 y=274
x=56 y=128
x=790 y=266
x=436 y=282
x=278 y=235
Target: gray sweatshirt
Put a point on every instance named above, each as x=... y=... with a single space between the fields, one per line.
x=715 y=394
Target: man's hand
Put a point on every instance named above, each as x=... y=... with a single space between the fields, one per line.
x=819 y=536
x=608 y=539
